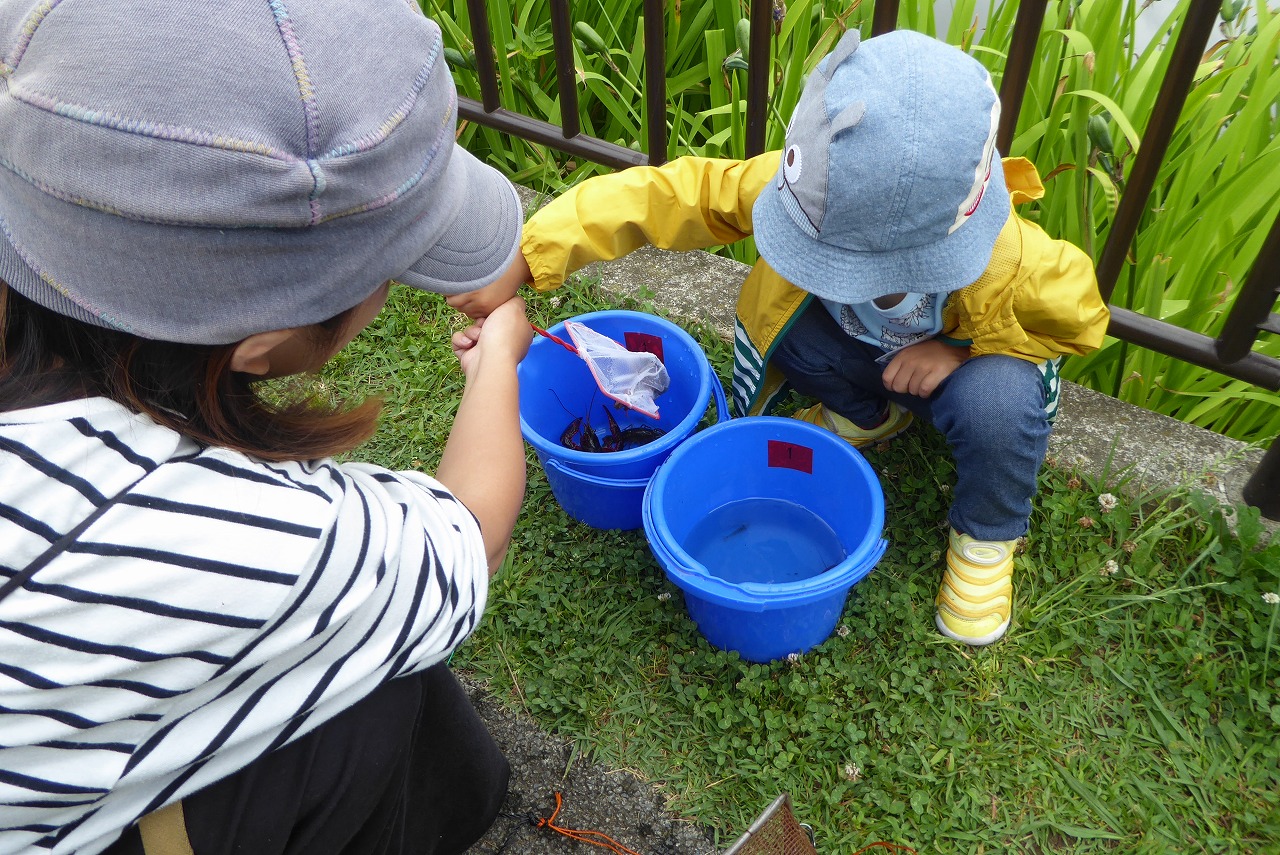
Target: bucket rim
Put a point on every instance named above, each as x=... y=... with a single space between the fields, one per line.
x=674 y=435
x=815 y=434
x=763 y=596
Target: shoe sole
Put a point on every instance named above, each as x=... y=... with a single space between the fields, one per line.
x=866 y=443
x=980 y=641
x=888 y=436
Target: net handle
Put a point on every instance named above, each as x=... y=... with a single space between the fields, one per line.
x=540 y=331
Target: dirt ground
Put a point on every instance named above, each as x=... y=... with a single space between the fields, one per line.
x=612 y=801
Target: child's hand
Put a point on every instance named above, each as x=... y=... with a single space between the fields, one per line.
x=504 y=334
x=483 y=301
x=920 y=368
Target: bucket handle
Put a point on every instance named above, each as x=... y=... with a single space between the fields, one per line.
x=722 y=403
x=706 y=584
x=596 y=480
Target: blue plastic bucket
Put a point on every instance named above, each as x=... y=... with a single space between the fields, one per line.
x=765 y=524
x=606 y=490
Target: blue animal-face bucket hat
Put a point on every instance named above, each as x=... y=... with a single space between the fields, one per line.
x=890 y=181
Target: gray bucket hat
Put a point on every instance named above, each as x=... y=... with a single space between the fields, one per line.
x=890 y=181
x=202 y=171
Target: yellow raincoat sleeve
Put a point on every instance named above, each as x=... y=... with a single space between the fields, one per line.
x=688 y=203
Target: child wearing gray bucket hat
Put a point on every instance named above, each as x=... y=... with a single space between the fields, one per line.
x=214 y=636
x=895 y=281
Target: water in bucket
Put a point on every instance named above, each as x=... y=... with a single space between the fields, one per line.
x=764 y=540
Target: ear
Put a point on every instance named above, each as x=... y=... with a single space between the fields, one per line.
x=254 y=354
x=848 y=117
x=843 y=50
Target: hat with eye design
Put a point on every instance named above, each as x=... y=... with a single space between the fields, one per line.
x=890 y=181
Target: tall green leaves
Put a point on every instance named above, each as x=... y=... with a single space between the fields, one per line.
x=1091 y=92
x=1216 y=196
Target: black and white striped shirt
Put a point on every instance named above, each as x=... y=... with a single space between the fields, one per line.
x=221 y=608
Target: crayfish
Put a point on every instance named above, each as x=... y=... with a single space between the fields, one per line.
x=580 y=436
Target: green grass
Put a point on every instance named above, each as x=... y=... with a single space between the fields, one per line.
x=1133 y=712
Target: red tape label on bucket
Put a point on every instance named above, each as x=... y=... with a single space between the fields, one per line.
x=638 y=342
x=788 y=455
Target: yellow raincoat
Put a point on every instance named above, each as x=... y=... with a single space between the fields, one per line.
x=1037 y=300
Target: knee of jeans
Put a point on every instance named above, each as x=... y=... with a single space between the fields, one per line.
x=806 y=361
x=1003 y=401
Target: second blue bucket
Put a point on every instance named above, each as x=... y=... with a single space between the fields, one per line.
x=765 y=524
x=606 y=490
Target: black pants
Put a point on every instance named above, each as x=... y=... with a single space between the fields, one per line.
x=409 y=770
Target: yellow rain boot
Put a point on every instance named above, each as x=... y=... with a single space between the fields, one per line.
x=895 y=422
x=975 y=600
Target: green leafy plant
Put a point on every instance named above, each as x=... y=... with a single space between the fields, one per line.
x=1215 y=198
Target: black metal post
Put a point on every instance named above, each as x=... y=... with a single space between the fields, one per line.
x=485 y=64
x=566 y=73
x=1252 y=310
x=884 y=18
x=1163 y=337
x=759 y=68
x=655 y=78
x=1262 y=490
x=1155 y=140
x=1017 y=68
x=508 y=122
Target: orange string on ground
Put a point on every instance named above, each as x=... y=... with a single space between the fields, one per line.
x=595 y=838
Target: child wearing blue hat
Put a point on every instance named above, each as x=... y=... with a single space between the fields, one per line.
x=896 y=282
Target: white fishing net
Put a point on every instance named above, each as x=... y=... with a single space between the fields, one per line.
x=633 y=379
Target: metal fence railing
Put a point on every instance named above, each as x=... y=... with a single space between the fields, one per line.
x=1231 y=353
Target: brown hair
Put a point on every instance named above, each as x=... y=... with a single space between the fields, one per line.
x=46 y=357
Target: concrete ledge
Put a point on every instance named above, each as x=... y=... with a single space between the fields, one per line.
x=1097 y=434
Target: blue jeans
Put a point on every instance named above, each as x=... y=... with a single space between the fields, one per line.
x=991 y=410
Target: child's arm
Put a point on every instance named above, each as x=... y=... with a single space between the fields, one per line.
x=482 y=301
x=483 y=462
x=1051 y=307
x=689 y=203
